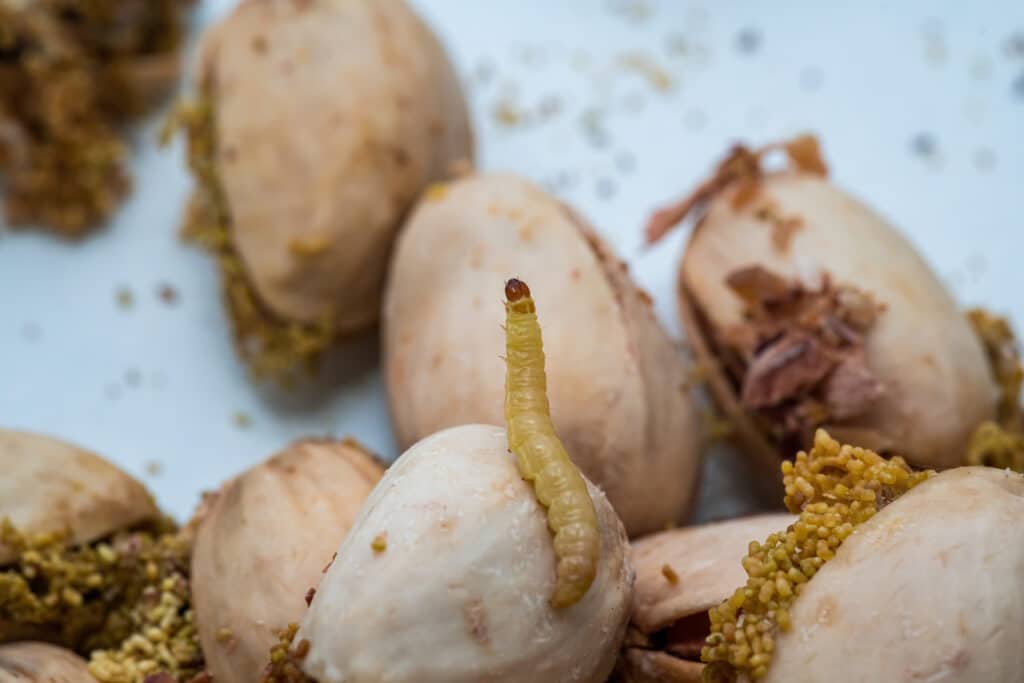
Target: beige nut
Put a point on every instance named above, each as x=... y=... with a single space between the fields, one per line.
x=332 y=116
x=447 y=574
x=51 y=486
x=263 y=543
x=41 y=663
x=926 y=590
x=680 y=574
x=935 y=383
x=615 y=379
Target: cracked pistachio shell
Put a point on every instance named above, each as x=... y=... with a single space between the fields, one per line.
x=703 y=569
x=446 y=577
x=41 y=663
x=332 y=116
x=937 y=382
x=263 y=543
x=929 y=589
x=615 y=379
x=51 y=486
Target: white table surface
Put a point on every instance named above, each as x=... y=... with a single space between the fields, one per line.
x=919 y=105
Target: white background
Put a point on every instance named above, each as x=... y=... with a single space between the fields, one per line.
x=919 y=106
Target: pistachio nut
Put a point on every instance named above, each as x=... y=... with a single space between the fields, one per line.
x=30 y=662
x=52 y=487
x=447 y=573
x=263 y=543
x=318 y=125
x=809 y=309
x=680 y=574
x=927 y=590
x=615 y=379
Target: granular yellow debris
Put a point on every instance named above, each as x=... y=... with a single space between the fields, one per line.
x=834 y=488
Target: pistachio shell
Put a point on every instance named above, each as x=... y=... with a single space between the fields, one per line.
x=447 y=574
x=614 y=376
x=927 y=590
x=41 y=663
x=706 y=561
x=937 y=384
x=332 y=116
x=681 y=573
x=263 y=543
x=51 y=486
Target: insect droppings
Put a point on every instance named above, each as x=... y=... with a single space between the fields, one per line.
x=540 y=455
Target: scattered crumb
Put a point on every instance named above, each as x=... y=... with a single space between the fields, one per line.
x=260 y=45
x=167 y=293
x=31 y=332
x=669 y=574
x=224 y=635
x=310 y=594
x=923 y=145
x=125 y=298
x=154 y=468
x=242 y=420
x=436 y=192
x=645 y=65
x=507 y=113
x=380 y=542
x=748 y=41
x=132 y=377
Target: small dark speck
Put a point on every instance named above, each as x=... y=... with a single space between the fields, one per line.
x=259 y=45
x=923 y=145
x=625 y=162
x=132 y=377
x=811 y=78
x=124 y=297
x=605 y=188
x=1015 y=45
x=167 y=293
x=242 y=420
x=748 y=41
x=1018 y=86
x=31 y=332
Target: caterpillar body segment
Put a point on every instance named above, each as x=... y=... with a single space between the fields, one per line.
x=541 y=457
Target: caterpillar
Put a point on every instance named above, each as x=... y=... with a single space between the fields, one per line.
x=541 y=457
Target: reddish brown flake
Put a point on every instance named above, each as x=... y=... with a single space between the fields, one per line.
x=310 y=594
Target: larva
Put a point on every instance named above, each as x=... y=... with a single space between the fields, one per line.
x=540 y=456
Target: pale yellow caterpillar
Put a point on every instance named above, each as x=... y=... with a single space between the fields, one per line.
x=539 y=454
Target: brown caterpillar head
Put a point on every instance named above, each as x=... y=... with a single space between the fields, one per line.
x=516 y=290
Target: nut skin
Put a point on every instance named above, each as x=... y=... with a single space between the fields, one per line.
x=263 y=543
x=52 y=486
x=41 y=663
x=461 y=591
x=938 y=387
x=614 y=376
x=332 y=116
x=928 y=589
x=706 y=563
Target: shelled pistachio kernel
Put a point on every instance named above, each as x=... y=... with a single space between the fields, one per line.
x=834 y=488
